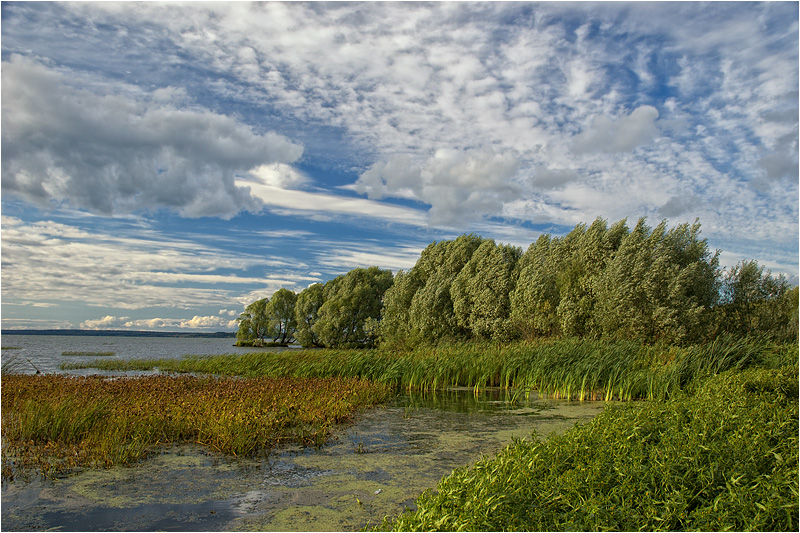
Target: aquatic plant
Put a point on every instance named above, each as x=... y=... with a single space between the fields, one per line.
x=724 y=457
x=55 y=423
x=574 y=368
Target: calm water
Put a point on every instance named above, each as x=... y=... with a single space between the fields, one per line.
x=374 y=467
x=43 y=352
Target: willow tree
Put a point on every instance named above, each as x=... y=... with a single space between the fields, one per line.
x=420 y=305
x=753 y=301
x=481 y=291
x=535 y=298
x=553 y=294
x=254 y=324
x=583 y=259
x=280 y=314
x=306 y=312
x=395 y=327
x=352 y=305
x=660 y=284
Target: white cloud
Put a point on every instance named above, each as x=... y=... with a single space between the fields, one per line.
x=473 y=109
x=318 y=204
x=196 y=322
x=107 y=322
x=48 y=261
x=606 y=134
x=458 y=185
x=344 y=256
x=110 y=153
x=279 y=175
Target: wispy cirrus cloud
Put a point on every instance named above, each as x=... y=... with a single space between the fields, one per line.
x=50 y=262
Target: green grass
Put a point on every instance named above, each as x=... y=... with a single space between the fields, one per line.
x=721 y=456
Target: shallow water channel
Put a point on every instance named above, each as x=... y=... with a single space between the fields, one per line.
x=374 y=467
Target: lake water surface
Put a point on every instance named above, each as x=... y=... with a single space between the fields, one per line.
x=44 y=352
x=374 y=467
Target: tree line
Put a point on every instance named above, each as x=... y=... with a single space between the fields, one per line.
x=598 y=281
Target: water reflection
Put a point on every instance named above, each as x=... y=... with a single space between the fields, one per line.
x=376 y=466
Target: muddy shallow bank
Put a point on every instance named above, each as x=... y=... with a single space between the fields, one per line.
x=375 y=467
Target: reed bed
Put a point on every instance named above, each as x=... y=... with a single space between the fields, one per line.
x=577 y=369
x=724 y=457
x=55 y=424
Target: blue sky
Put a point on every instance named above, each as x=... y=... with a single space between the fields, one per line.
x=164 y=165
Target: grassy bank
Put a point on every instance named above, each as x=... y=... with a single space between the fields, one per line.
x=568 y=368
x=722 y=455
x=54 y=424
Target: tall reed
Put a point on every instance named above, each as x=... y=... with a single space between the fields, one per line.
x=579 y=369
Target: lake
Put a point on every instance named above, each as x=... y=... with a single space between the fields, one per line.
x=43 y=352
x=374 y=467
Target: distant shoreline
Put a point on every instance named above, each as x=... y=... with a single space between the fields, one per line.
x=117 y=333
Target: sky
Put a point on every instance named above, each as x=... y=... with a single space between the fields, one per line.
x=166 y=164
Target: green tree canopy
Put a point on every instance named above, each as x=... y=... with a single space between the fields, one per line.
x=754 y=301
x=306 y=312
x=481 y=291
x=280 y=313
x=349 y=301
x=254 y=323
x=420 y=305
x=660 y=284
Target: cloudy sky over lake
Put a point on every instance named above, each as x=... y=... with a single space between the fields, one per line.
x=164 y=165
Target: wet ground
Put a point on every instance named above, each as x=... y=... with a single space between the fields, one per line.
x=375 y=467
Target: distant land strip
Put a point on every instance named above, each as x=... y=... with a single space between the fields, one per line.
x=117 y=333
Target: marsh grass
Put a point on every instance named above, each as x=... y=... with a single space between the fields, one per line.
x=577 y=369
x=96 y=354
x=11 y=364
x=55 y=424
x=724 y=457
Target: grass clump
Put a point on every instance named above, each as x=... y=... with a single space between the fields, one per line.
x=55 y=424
x=724 y=457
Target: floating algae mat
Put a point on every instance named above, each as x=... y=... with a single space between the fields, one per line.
x=374 y=467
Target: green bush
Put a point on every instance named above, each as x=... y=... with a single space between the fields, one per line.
x=724 y=458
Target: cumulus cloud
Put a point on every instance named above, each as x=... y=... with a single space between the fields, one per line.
x=553 y=178
x=196 y=322
x=279 y=175
x=458 y=184
x=106 y=322
x=606 y=134
x=108 y=152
